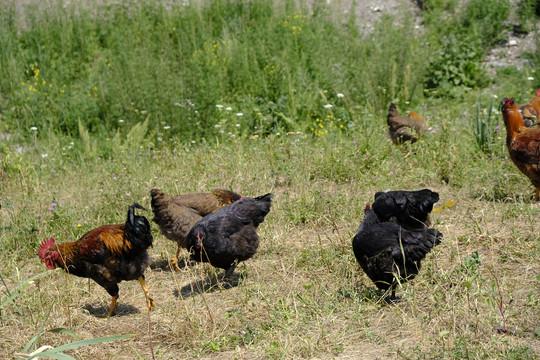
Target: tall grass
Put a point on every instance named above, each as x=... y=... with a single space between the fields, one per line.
x=173 y=64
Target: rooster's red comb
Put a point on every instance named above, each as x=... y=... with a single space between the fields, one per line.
x=45 y=245
x=508 y=101
x=368 y=207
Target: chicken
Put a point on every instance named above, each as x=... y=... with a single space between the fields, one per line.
x=229 y=235
x=531 y=111
x=177 y=215
x=523 y=143
x=399 y=127
x=390 y=254
x=409 y=209
x=107 y=254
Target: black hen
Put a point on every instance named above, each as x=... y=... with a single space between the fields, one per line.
x=409 y=209
x=229 y=235
x=390 y=254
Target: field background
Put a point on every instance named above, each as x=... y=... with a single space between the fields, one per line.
x=102 y=101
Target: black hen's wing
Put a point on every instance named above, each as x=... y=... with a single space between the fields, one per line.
x=409 y=209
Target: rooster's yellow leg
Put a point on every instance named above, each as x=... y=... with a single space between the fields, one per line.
x=113 y=305
x=149 y=300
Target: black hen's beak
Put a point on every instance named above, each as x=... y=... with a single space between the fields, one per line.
x=198 y=242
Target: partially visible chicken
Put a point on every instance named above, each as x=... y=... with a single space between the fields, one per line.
x=390 y=254
x=177 y=215
x=531 y=111
x=409 y=209
x=107 y=254
x=229 y=235
x=523 y=143
x=399 y=127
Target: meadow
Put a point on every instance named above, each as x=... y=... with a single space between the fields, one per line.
x=102 y=103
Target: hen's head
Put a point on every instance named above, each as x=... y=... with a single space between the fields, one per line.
x=48 y=256
x=199 y=237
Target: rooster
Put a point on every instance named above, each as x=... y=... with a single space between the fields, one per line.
x=390 y=254
x=399 y=127
x=523 y=143
x=176 y=215
x=229 y=235
x=409 y=209
x=531 y=111
x=107 y=254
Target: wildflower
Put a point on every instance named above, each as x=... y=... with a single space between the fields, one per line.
x=228 y=108
x=79 y=225
x=239 y=114
x=33 y=128
x=495 y=96
x=340 y=95
x=328 y=106
x=237 y=125
x=497 y=128
x=217 y=125
x=54 y=204
x=121 y=120
x=44 y=155
x=391 y=173
x=530 y=78
x=51 y=209
x=167 y=127
x=127 y=194
x=219 y=106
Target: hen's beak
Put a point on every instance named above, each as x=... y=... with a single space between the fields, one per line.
x=198 y=242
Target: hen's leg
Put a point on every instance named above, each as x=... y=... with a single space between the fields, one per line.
x=229 y=271
x=149 y=300
x=112 y=310
x=174 y=261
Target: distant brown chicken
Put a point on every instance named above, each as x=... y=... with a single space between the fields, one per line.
x=405 y=128
x=176 y=215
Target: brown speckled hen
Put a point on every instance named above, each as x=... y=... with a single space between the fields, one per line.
x=405 y=128
x=176 y=215
x=107 y=254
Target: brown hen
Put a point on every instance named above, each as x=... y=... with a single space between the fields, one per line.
x=405 y=128
x=176 y=215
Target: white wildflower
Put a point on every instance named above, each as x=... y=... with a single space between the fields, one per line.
x=530 y=78
x=167 y=127
x=340 y=95
x=328 y=106
x=239 y=114
x=228 y=108
x=219 y=106
x=121 y=121
x=33 y=128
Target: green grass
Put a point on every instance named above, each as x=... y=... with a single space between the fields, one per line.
x=303 y=295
